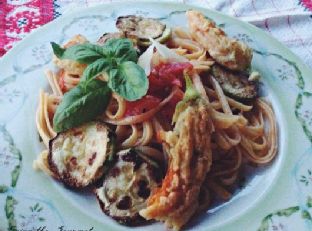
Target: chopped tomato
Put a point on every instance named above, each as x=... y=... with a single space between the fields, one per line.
x=61 y=81
x=162 y=79
x=169 y=108
x=172 y=70
x=142 y=105
x=166 y=75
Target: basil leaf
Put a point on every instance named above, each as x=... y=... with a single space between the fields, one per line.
x=94 y=69
x=129 y=81
x=57 y=49
x=121 y=50
x=81 y=104
x=83 y=53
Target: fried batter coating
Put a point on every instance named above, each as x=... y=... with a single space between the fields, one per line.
x=189 y=161
x=228 y=52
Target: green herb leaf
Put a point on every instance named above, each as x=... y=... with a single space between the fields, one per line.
x=129 y=81
x=57 y=49
x=121 y=50
x=81 y=104
x=83 y=53
x=94 y=69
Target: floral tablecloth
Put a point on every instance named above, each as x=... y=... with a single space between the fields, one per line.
x=289 y=21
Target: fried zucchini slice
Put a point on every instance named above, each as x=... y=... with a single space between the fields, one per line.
x=107 y=36
x=143 y=28
x=116 y=35
x=162 y=39
x=77 y=155
x=127 y=185
x=235 y=84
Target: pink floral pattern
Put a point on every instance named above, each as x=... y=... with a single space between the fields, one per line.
x=307 y=4
x=20 y=17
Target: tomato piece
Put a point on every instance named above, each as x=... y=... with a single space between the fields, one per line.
x=61 y=81
x=166 y=75
x=155 y=82
x=168 y=110
x=172 y=71
x=142 y=105
x=162 y=79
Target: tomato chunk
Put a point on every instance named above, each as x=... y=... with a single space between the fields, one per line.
x=166 y=75
x=142 y=105
x=169 y=108
x=162 y=79
x=61 y=81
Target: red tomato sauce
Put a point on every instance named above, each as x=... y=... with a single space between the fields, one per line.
x=162 y=79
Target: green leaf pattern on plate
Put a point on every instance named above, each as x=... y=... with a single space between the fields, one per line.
x=10 y=155
x=9 y=212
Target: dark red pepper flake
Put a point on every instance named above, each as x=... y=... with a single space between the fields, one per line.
x=91 y=160
x=77 y=132
x=73 y=160
x=61 y=81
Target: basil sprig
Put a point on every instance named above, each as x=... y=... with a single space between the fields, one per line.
x=109 y=58
x=90 y=97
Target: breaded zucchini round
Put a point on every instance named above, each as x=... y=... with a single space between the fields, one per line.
x=235 y=84
x=77 y=155
x=127 y=185
x=107 y=36
x=143 y=28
